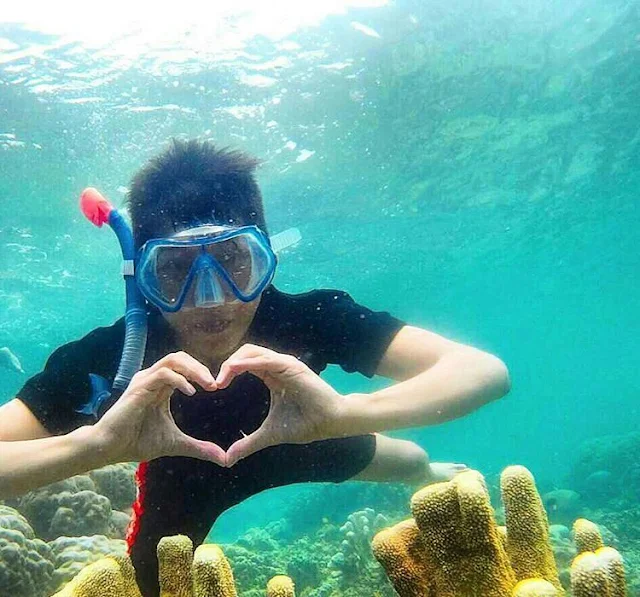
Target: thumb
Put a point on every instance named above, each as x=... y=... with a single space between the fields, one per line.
x=250 y=444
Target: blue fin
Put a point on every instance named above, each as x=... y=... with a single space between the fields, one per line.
x=100 y=391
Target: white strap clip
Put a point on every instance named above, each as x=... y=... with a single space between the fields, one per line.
x=127 y=267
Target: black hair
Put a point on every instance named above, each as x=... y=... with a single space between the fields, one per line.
x=193 y=182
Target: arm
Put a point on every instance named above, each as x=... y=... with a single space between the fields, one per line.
x=440 y=380
x=30 y=457
x=139 y=426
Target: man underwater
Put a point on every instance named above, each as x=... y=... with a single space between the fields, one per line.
x=230 y=401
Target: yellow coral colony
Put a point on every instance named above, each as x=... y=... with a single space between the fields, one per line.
x=614 y=566
x=528 y=543
x=535 y=587
x=100 y=579
x=212 y=575
x=586 y=535
x=129 y=575
x=400 y=551
x=461 y=538
x=281 y=586
x=175 y=556
x=589 y=577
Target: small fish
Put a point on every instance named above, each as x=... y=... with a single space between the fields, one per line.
x=364 y=29
x=10 y=361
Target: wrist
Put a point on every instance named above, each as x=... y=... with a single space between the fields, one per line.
x=94 y=445
x=352 y=419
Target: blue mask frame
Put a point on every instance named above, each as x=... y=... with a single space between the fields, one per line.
x=203 y=261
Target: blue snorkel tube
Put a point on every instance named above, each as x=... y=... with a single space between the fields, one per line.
x=99 y=211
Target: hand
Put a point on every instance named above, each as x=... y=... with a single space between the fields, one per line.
x=303 y=409
x=140 y=426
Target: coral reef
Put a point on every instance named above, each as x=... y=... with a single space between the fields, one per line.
x=116 y=482
x=103 y=578
x=281 y=586
x=461 y=538
x=587 y=535
x=598 y=574
x=212 y=575
x=528 y=544
x=82 y=505
x=400 y=549
x=26 y=563
x=175 y=559
x=71 y=554
x=464 y=554
x=355 y=548
x=535 y=587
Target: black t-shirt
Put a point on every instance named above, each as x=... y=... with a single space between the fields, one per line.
x=320 y=327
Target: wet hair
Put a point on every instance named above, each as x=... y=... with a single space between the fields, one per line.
x=191 y=183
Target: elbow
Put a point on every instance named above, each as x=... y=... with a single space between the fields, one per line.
x=497 y=376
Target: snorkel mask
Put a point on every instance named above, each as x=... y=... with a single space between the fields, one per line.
x=205 y=266
x=202 y=267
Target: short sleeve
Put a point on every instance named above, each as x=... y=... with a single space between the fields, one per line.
x=62 y=387
x=352 y=335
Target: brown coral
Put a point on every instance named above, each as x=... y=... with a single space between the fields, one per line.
x=281 y=586
x=400 y=551
x=528 y=543
x=586 y=535
x=535 y=587
x=212 y=575
x=175 y=556
x=461 y=538
x=100 y=579
x=589 y=577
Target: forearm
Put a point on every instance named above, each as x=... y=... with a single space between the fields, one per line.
x=25 y=465
x=456 y=385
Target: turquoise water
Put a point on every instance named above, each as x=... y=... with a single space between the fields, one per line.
x=471 y=169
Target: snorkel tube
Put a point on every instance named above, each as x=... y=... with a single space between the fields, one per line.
x=99 y=211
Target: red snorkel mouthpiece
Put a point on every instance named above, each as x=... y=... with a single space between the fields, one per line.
x=95 y=207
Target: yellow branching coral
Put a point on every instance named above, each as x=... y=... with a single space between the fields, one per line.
x=535 y=587
x=586 y=535
x=100 y=579
x=175 y=556
x=281 y=586
x=528 y=543
x=212 y=575
x=461 y=538
x=400 y=551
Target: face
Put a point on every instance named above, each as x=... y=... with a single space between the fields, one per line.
x=214 y=329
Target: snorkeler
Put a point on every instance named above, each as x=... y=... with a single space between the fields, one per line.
x=229 y=401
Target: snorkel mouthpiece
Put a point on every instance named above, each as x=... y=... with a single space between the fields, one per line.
x=99 y=211
x=95 y=207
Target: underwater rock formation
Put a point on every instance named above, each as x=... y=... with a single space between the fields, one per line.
x=26 y=563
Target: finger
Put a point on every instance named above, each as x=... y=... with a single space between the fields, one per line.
x=167 y=379
x=261 y=366
x=194 y=448
x=250 y=444
x=187 y=366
